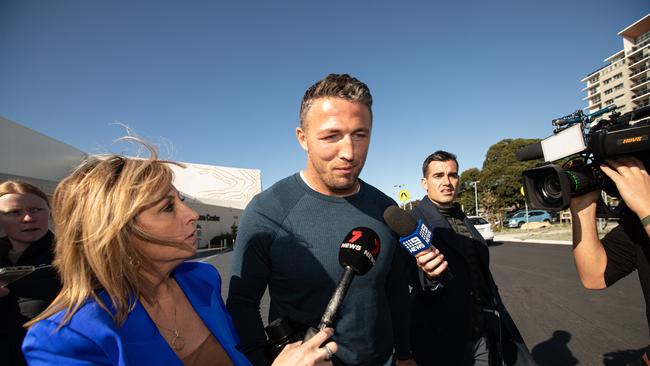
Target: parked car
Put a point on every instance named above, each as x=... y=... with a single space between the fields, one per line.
x=518 y=219
x=483 y=227
x=511 y=214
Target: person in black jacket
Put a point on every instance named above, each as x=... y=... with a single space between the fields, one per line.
x=24 y=217
x=457 y=315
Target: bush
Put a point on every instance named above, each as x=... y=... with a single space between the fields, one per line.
x=228 y=237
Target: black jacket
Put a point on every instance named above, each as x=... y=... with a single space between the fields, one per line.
x=28 y=296
x=441 y=320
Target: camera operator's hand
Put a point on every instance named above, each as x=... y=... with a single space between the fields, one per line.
x=584 y=202
x=4 y=291
x=632 y=181
x=432 y=263
x=308 y=353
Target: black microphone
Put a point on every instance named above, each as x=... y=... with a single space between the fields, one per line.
x=357 y=255
x=530 y=152
x=415 y=236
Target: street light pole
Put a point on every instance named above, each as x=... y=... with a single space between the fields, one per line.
x=475 y=195
x=397 y=189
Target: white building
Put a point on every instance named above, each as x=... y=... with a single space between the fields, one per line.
x=218 y=194
x=624 y=81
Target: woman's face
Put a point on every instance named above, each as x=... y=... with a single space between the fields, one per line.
x=24 y=217
x=168 y=220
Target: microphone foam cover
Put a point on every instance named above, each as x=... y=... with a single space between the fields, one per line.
x=400 y=221
x=359 y=250
x=530 y=152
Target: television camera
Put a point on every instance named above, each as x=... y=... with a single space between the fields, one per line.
x=583 y=142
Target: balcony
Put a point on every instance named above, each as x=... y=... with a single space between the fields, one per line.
x=639 y=48
x=641 y=105
x=638 y=76
x=645 y=93
x=592 y=97
x=645 y=67
x=645 y=81
x=595 y=107
x=639 y=61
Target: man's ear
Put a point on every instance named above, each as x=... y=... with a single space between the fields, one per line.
x=302 y=138
x=423 y=182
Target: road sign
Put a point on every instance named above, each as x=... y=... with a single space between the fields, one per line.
x=523 y=193
x=404 y=195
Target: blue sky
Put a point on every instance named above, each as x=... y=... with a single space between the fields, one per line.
x=221 y=82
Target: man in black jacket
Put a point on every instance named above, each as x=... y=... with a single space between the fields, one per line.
x=457 y=315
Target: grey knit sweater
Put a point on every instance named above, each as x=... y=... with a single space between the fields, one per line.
x=289 y=239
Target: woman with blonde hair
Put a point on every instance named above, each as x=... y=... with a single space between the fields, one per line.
x=24 y=218
x=129 y=297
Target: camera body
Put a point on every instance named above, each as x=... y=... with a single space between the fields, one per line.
x=550 y=186
x=281 y=332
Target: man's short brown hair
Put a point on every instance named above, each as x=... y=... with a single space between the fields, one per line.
x=341 y=86
x=439 y=155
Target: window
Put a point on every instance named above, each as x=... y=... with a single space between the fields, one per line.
x=608 y=91
x=619 y=86
x=478 y=221
x=619 y=97
x=610 y=101
x=607 y=81
x=618 y=76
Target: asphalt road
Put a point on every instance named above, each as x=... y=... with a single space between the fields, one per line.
x=562 y=323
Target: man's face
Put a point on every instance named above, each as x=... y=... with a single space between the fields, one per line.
x=441 y=182
x=335 y=135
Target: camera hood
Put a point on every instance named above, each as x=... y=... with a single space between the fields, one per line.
x=547 y=187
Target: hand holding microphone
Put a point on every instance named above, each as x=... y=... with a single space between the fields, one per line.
x=415 y=237
x=432 y=263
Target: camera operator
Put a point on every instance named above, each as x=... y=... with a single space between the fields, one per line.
x=626 y=248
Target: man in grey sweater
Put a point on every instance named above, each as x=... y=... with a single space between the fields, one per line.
x=290 y=234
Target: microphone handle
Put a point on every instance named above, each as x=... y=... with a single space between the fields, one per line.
x=334 y=304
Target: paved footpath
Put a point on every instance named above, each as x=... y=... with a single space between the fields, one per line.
x=562 y=323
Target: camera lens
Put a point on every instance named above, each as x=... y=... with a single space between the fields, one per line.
x=551 y=188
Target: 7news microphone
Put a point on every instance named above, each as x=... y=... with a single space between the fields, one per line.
x=415 y=236
x=357 y=255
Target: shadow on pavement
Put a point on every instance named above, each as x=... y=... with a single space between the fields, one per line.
x=555 y=351
x=624 y=357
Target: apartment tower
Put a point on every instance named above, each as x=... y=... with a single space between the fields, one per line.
x=625 y=79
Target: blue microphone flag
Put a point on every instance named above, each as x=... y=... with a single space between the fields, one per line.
x=418 y=241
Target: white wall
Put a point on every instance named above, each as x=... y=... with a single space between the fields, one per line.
x=27 y=153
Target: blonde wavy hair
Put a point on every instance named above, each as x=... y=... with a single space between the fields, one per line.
x=95 y=211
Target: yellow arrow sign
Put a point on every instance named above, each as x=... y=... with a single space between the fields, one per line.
x=522 y=191
x=404 y=195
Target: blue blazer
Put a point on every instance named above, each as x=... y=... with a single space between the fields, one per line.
x=91 y=336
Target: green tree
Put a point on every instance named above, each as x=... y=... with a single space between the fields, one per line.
x=501 y=175
x=466 y=189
